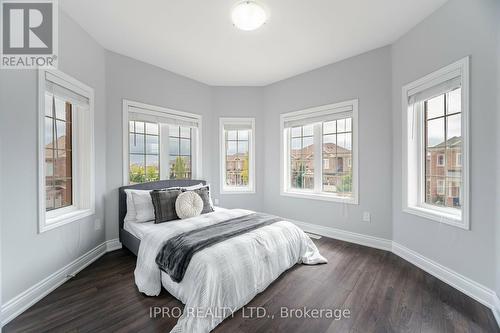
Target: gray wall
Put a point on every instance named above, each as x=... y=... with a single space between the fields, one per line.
x=458 y=29
x=239 y=102
x=29 y=257
x=131 y=79
x=498 y=154
x=368 y=78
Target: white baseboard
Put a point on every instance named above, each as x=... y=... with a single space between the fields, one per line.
x=113 y=244
x=496 y=309
x=462 y=283
x=469 y=287
x=20 y=303
x=348 y=236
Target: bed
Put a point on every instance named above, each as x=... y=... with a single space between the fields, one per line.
x=219 y=279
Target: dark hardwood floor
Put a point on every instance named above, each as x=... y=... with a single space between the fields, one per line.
x=383 y=293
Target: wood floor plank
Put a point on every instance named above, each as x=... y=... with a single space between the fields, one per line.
x=383 y=293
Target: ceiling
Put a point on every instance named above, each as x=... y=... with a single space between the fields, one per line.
x=197 y=39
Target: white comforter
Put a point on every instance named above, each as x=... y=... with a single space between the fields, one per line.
x=226 y=275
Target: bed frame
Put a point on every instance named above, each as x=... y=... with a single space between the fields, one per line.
x=126 y=238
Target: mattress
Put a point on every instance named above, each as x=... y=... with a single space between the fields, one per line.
x=141 y=229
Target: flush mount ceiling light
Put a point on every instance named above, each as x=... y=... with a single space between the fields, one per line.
x=248 y=15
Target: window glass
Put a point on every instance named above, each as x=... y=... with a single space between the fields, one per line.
x=180 y=142
x=237 y=158
x=337 y=157
x=302 y=158
x=58 y=153
x=443 y=148
x=144 y=152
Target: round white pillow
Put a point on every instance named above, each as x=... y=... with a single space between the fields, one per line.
x=188 y=204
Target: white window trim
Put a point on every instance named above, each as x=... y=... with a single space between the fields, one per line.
x=412 y=202
x=285 y=148
x=224 y=189
x=196 y=142
x=86 y=195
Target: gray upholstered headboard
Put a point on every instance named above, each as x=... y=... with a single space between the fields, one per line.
x=122 y=197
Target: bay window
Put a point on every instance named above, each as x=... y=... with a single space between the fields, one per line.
x=435 y=145
x=319 y=153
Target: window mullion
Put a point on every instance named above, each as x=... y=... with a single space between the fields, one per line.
x=318 y=168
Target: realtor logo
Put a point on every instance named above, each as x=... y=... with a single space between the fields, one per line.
x=29 y=34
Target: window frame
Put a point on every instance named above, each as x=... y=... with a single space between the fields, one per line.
x=285 y=189
x=413 y=152
x=153 y=110
x=225 y=189
x=83 y=174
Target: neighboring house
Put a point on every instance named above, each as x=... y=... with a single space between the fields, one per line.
x=58 y=174
x=337 y=168
x=444 y=173
x=237 y=169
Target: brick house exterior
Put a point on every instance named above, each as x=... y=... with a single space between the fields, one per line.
x=336 y=164
x=444 y=173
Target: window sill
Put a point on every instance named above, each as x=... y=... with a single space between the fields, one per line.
x=63 y=219
x=320 y=196
x=236 y=190
x=438 y=216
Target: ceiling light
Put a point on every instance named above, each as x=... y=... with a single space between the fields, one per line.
x=248 y=15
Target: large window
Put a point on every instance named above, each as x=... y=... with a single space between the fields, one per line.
x=237 y=155
x=160 y=143
x=435 y=184
x=65 y=151
x=319 y=158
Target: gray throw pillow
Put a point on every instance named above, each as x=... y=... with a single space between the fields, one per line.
x=164 y=204
x=204 y=193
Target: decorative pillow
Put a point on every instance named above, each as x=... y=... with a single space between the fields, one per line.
x=188 y=204
x=131 y=215
x=143 y=206
x=164 y=204
x=204 y=193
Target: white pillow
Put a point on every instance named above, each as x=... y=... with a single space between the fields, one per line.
x=143 y=205
x=188 y=204
x=131 y=213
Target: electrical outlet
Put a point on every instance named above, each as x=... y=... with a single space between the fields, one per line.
x=216 y=201
x=97 y=224
x=366 y=217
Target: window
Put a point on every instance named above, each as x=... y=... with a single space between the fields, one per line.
x=180 y=152
x=66 y=181
x=440 y=157
x=160 y=143
x=319 y=153
x=435 y=184
x=144 y=154
x=237 y=155
x=458 y=159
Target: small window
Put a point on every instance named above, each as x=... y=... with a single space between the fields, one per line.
x=237 y=155
x=458 y=159
x=160 y=143
x=318 y=153
x=440 y=159
x=436 y=136
x=66 y=151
